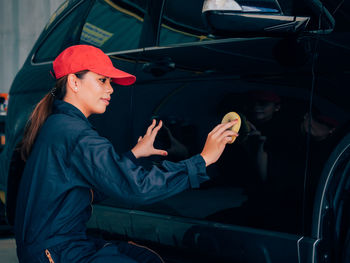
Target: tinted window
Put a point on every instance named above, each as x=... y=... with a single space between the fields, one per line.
x=63 y=34
x=113 y=25
x=182 y=22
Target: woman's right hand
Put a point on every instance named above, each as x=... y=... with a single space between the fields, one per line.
x=216 y=142
x=256 y=140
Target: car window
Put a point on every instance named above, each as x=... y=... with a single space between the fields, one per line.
x=114 y=25
x=63 y=34
x=182 y=23
x=110 y=25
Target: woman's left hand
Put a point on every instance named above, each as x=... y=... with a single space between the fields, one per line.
x=144 y=146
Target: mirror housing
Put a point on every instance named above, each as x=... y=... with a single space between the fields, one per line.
x=246 y=17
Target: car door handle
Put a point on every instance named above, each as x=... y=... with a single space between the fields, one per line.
x=159 y=68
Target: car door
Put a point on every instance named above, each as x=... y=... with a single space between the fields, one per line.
x=190 y=82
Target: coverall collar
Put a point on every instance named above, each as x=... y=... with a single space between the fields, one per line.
x=60 y=106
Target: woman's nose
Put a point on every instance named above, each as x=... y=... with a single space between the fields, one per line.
x=109 y=88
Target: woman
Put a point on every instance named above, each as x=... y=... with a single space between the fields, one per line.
x=68 y=164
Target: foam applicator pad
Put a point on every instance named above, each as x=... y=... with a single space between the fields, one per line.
x=231 y=116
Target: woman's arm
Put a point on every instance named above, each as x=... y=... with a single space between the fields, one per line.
x=120 y=176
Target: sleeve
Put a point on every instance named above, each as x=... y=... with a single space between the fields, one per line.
x=121 y=177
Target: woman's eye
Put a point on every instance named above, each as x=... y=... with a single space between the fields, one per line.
x=103 y=80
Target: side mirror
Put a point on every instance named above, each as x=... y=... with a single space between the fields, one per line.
x=247 y=17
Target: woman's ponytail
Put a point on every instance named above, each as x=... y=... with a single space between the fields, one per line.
x=39 y=115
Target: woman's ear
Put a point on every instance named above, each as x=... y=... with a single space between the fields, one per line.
x=72 y=82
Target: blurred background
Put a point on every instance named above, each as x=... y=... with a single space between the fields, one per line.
x=21 y=22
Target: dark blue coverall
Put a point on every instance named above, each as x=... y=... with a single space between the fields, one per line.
x=68 y=162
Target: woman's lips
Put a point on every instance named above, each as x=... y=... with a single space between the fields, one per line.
x=106 y=101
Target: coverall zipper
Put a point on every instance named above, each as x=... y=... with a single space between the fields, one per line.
x=48 y=254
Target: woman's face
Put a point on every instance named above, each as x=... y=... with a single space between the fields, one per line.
x=263 y=111
x=94 y=93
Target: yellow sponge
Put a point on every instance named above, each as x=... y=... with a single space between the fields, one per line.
x=2 y=197
x=231 y=116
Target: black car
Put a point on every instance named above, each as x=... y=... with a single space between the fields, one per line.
x=281 y=191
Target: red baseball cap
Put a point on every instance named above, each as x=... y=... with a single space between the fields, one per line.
x=329 y=121
x=85 y=57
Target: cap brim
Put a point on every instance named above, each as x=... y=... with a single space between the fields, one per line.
x=125 y=81
x=118 y=76
x=122 y=78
